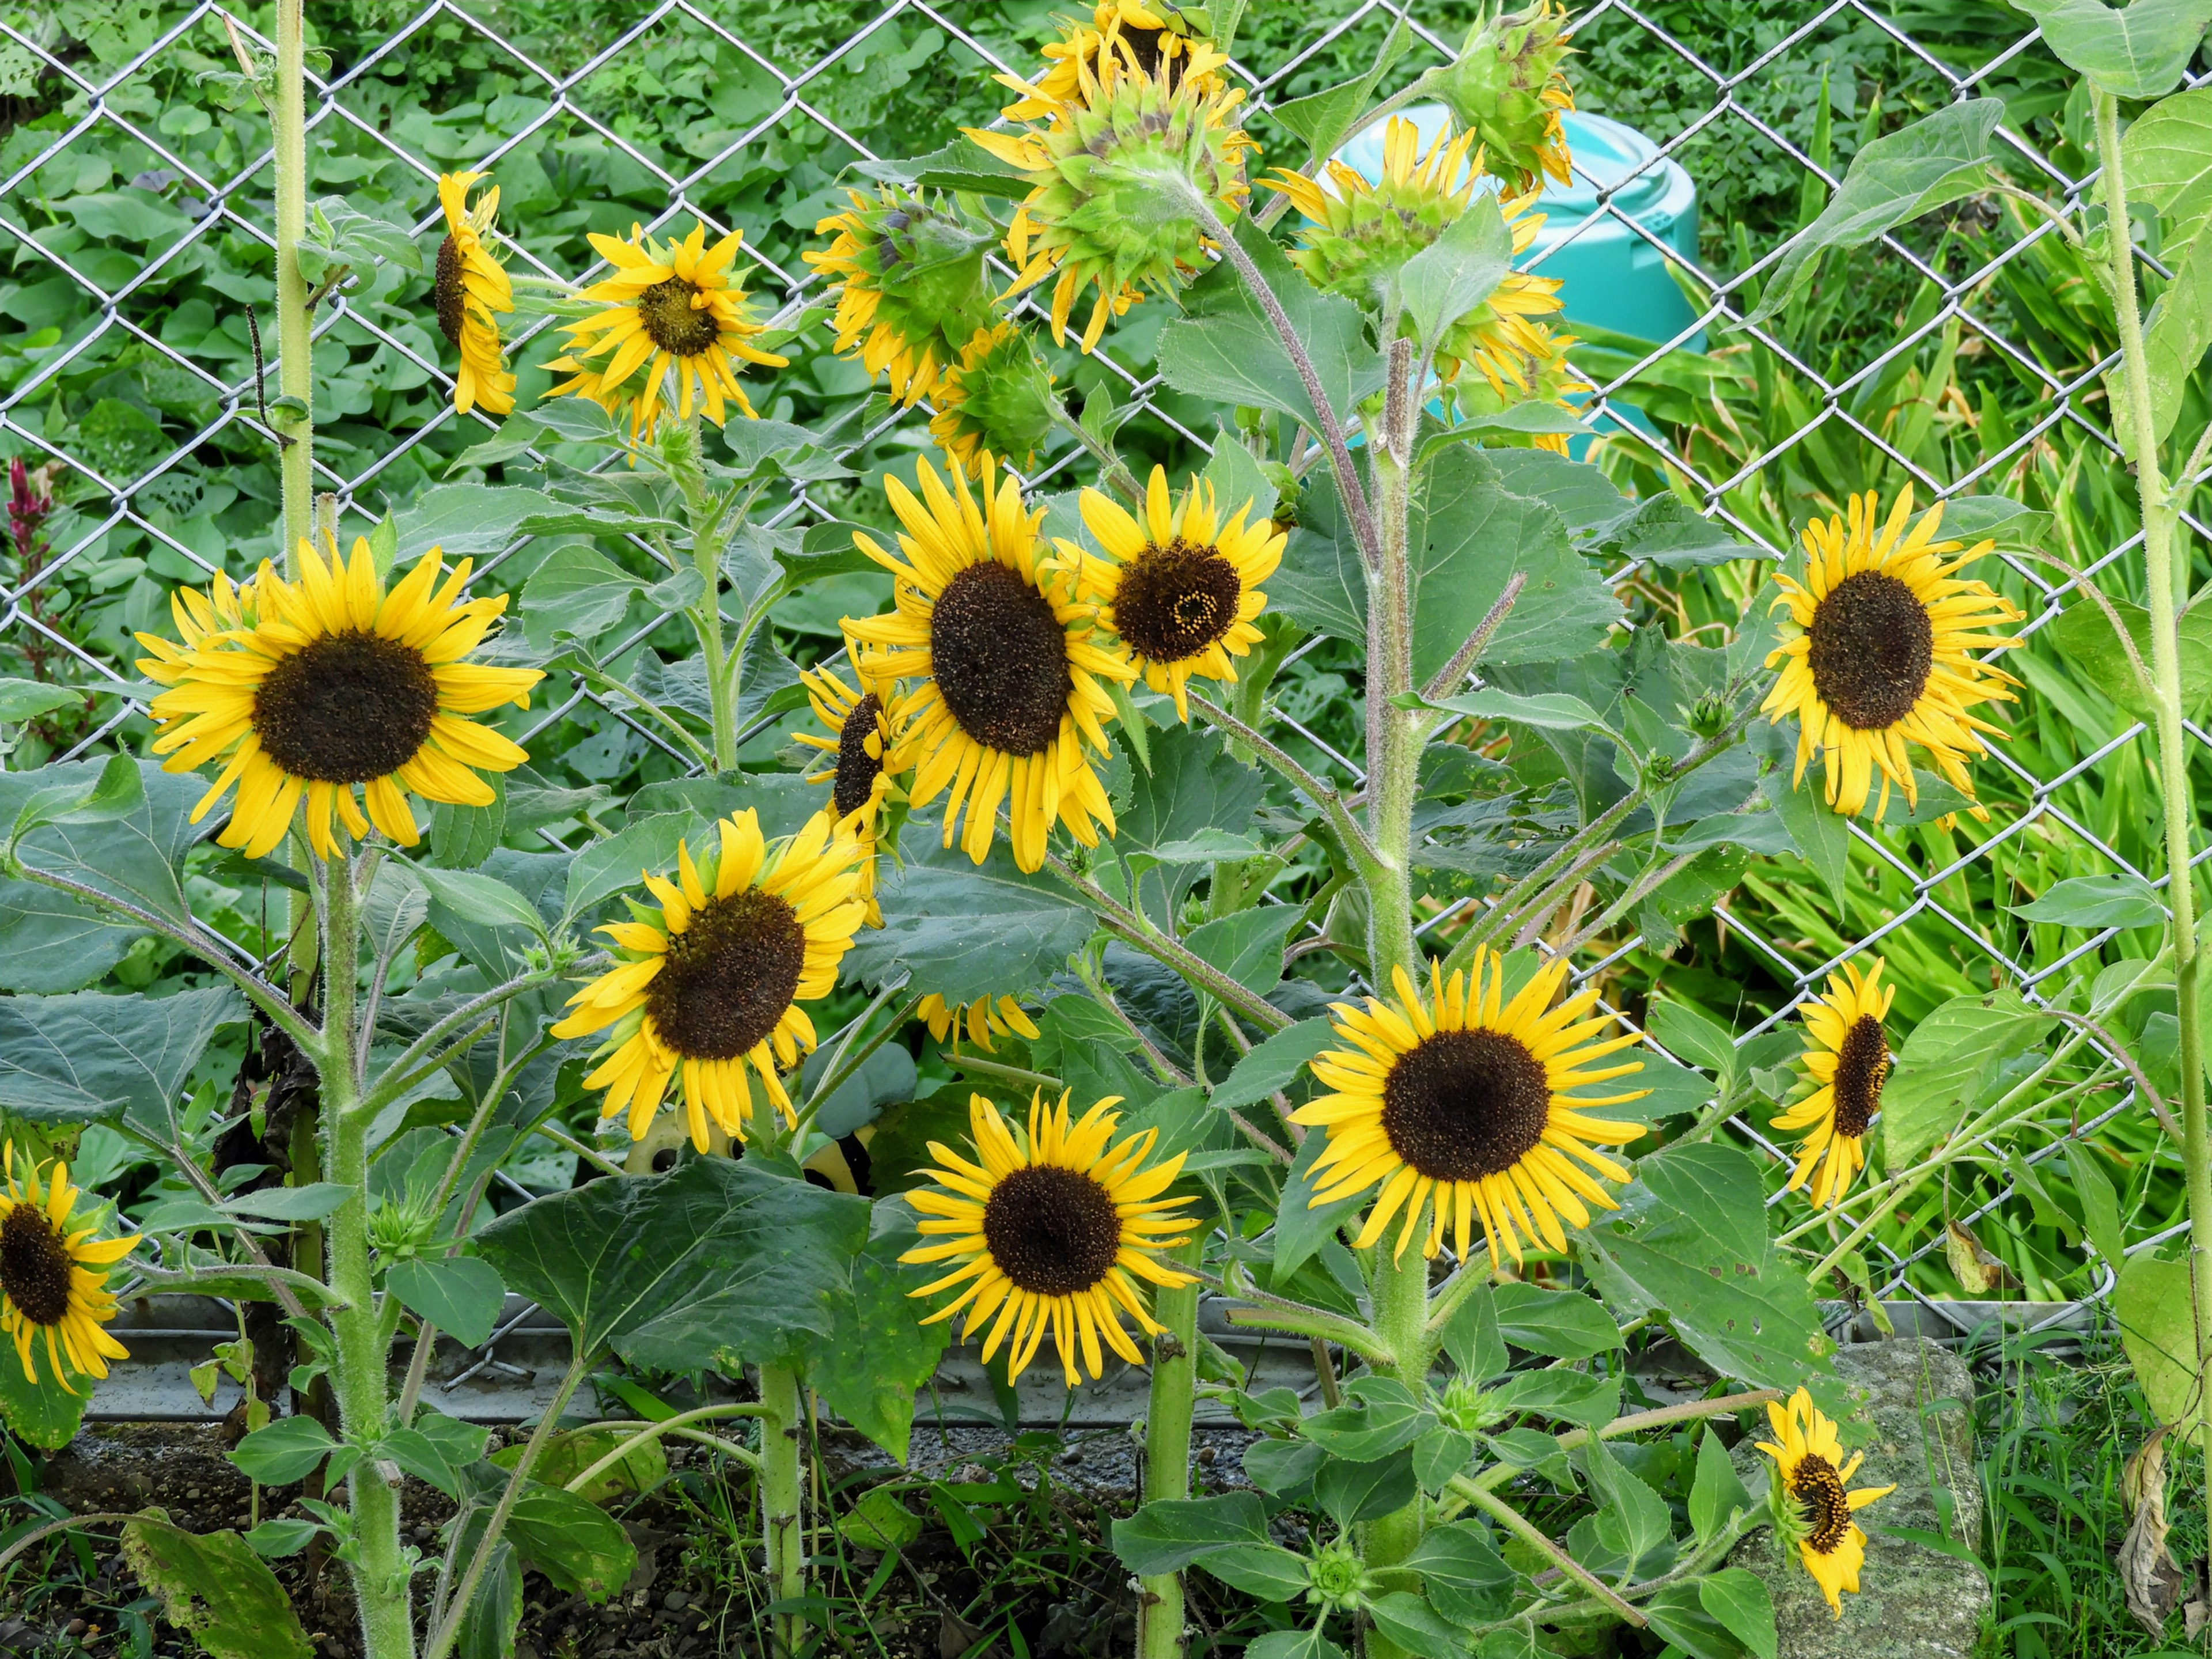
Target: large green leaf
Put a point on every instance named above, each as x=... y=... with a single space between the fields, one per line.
x=879 y=1351
x=2137 y=51
x=684 y=1271
x=1169 y=1535
x=2158 y=1329
x=86 y=1058
x=962 y=165
x=214 y=1587
x=1457 y=271
x=1950 y=1058
x=1194 y=785
x=2175 y=336
x=1899 y=176
x=2082 y=637
x=1690 y=1240
x=49 y=942
x=618 y=864
x=965 y=930
x=1272 y=1065
x=2167 y=157
x=43 y=1412
x=461 y=1294
x=562 y=1534
x=1247 y=945
x=470 y=518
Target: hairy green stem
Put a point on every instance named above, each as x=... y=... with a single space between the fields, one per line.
x=295 y=375
x=782 y=1426
x=1132 y=927
x=653 y=1431
x=1167 y=1447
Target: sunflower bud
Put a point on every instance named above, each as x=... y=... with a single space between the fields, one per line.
x=1337 y=1577
x=1708 y=716
x=1118 y=180
x=913 y=291
x=1506 y=88
x=1463 y=1407
x=996 y=400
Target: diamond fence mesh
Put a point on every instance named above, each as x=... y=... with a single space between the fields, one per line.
x=135 y=213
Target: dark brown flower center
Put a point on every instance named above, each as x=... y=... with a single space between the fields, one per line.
x=1175 y=601
x=1141 y=47
x=1817 y=1486
x=34 y=1265
x=1461 y=1105
x=1000 y=659
x=672 y=322
x=1052 y=1231
x=349 y=707
x=857 y=770
x=450 y=292
x=1862 y=1068
x=729 y=976
x=1872 y=648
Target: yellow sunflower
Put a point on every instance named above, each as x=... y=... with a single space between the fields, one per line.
x=996 y=400
x=1357 y=235
x=1052 y=1230
x=54 y=1280
x=1808 y=1462
x=1181 y=589
x=980 y=1020
x=713 y=977
x=1464 y=1097
x=1009 y=672
x=1508 y=87
x=1877 y=653
x=310 y=689
x=859 y=727
x=1846 y=1054
x=470 y=288
x=911 y=287
x=672 y=309
x=1152 y=39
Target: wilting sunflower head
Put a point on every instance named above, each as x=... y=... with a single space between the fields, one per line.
x=912 y=288
x=675 y=333
x=997 y=401
x=1847 y=1060
x=1464 y=1098
x=309 y=689
x=1181 y=589
x=53 y=1277
x=1052 y=1230
x=1508 y=86
x=859 y=726
x=1357 y=236
x=709 y=978
x=1157 y=39
x=1009 y=667
x=1811 y=1504
x=979 y=1021
x=1878 y=649
x=1115 y=180
x=470 y=289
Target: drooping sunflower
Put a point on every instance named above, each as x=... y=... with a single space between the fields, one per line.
x=1052 y=1230
x=980 y=1020
x=1848 y=1057
x=1010 y=670
x=1539 y=374
x=1464 y=1097
x=1810 y=1467
x=913 y=285
x=1181 y=589
x=1106 y=172
x=470 y=289
x=674 y=309
x=1508 y=87
x=996 y=400
x=53 y=1279
x=1357 y=235
x=314 y=688
x=1157 y=39
x=860 y=725
x=711 y=978
x=1877 y=653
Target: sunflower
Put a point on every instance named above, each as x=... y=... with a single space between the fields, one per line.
x=1108 y=173
x=1876 y=653
x=1154 y=40
x=1848 y=1057
x=53 y=1279
x=714 y=976
x=859 y=728
x=982 y=1019
x=1464 y=1095
x=1808 y=1463
x=996 y=400
x=1051 y=1230
x=311 y=687
x=671 y=309
x=912 y=276
x=1508 y=86
x=1531 y=368
x=1010 y=670
x=470 y=288
x=1181 y=589
x=1357 y=236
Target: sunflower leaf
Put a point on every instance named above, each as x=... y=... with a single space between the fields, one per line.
x=214 y=1586
x=879 y=1351
x=87 y=1058
x=1946 y=1062
x=964 y=930
x=1170 y=1534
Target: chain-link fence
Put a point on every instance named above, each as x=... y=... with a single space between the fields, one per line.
x=135 y=211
